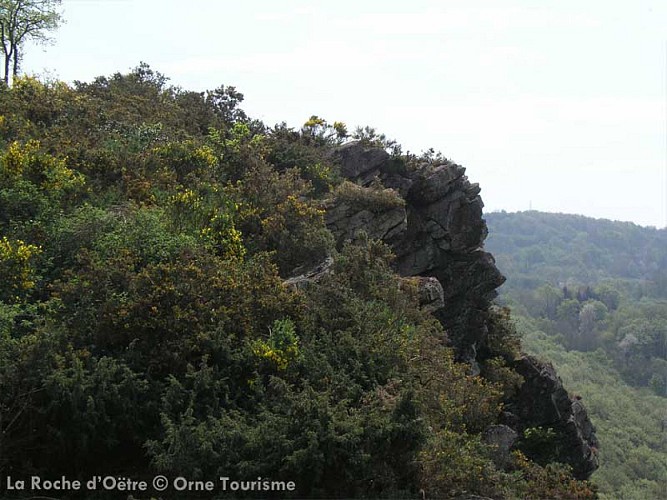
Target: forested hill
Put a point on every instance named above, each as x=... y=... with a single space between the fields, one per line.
x=591 y=295
x=595 y=283
x=532 y=247
x=187 y=291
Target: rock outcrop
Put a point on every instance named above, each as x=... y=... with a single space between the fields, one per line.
x=311 y=276
x=431 y=294
x=542 y=402
x=345 y=221
x=502 y=438
x=437 y=233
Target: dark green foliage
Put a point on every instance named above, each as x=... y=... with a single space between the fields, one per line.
x=540 y=444
x=289 y=148
x=145 y=326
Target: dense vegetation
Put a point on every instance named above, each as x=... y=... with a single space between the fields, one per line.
x=145 y=327
x=591 y=295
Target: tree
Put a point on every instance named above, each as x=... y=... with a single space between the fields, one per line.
x=549 y=298
x=22 y=20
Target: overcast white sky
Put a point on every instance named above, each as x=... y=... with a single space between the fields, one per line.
x=560 y=106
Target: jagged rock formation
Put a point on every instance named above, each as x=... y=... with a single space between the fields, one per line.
x=437 y=232
x=543 y=402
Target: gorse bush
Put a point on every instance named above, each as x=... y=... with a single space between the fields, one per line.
x=146 y=234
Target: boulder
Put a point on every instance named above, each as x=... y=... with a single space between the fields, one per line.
x=431 y=294
x=502 y=438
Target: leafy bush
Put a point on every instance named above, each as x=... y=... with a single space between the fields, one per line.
x=145 y=326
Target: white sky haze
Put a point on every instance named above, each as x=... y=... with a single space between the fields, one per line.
x=561 y=106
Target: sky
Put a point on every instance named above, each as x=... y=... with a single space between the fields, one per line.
x=552 y=106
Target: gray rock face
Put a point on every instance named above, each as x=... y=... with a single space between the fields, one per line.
x=346 y=222
x=501 y=437
x=360 y=162
x=431 y=294
x=310 y=276
x=439 y=235
x=434 y=184
x=543 y=402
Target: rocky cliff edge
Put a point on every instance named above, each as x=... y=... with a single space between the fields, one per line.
x=431 y=216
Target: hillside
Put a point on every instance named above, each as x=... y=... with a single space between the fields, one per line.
x=590 y=296
x=561 y=248
x=190 y=292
